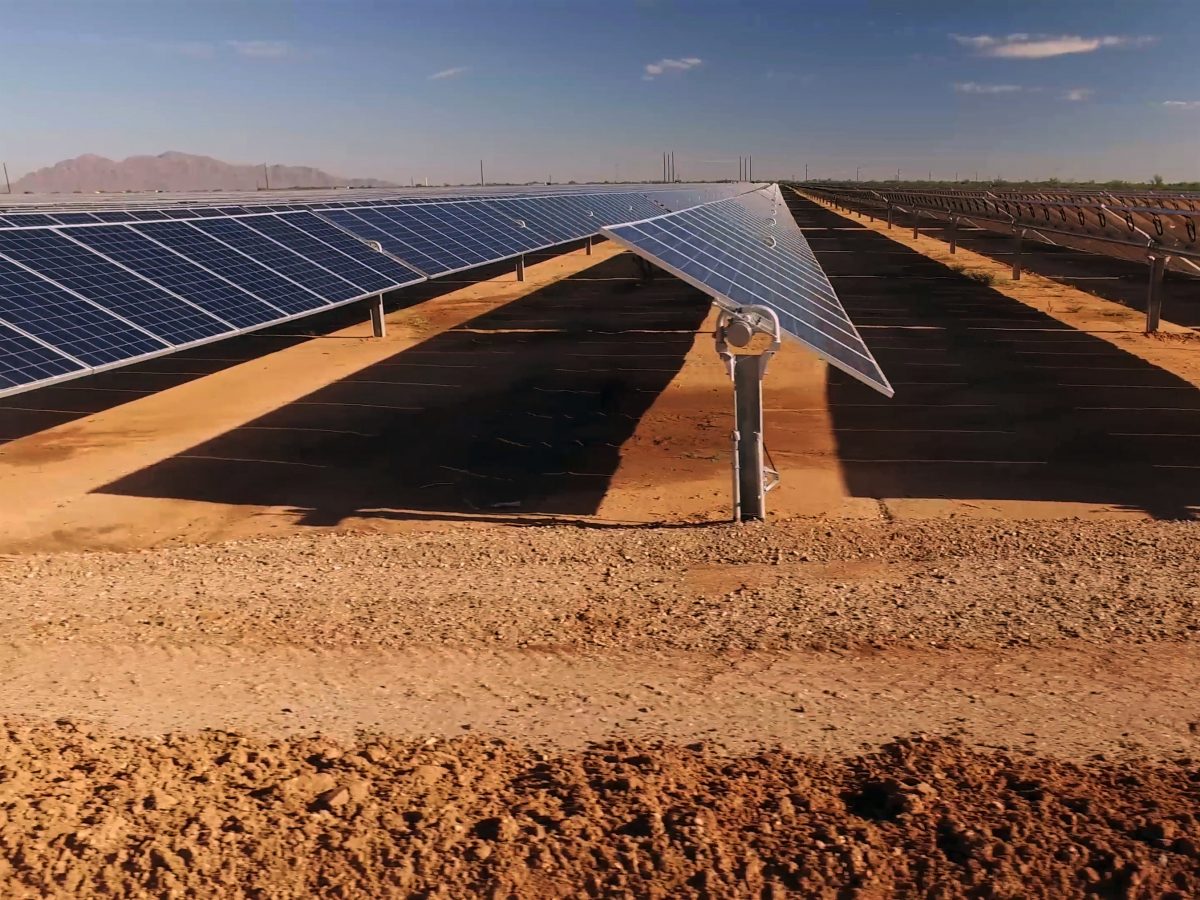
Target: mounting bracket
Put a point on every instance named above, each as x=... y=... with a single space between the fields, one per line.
x=752 y=477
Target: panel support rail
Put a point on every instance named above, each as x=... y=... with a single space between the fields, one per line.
x=752 y=477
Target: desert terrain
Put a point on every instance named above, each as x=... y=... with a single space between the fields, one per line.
x=459 y=612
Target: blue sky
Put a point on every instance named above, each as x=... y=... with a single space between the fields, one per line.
x=399 y=90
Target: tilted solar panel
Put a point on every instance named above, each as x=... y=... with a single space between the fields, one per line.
x=22 y=360
x=67 y=322
x=735 y=252
x=243 y=271
x=352 y=268
x=106 y=284
x=177 y=273
x=83 y=288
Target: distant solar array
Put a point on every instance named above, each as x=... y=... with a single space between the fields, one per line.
x=747 y=251
x=1137 y=226
x=87 y=289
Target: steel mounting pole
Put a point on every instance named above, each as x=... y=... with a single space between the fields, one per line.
x=889 y=215
x=916 y=222
x=752 y=477
x=378 y=324
x=521 y=267
x=953 y=234
x=587 y=245
x=1018 y=244
x=1154 y=295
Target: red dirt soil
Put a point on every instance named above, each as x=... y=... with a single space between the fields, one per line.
x=218 y=814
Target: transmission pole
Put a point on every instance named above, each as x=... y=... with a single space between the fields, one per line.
x=7 y=183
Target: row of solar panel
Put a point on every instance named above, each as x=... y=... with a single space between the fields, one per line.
x=748 y=251
x=668 y=199
x=74 y=299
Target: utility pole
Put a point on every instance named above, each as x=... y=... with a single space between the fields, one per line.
x=267 y=176
x=7 y=183
x=749 y=168
x=481 y=182
x=806 y=171
x=897 y=174
x=858 y=173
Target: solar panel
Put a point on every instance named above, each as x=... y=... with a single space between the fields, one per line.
x=431 y=238
x=116 y=289
x=371 y=225
x=25 y=220
x=74 y=218
x=83 y=288
x=730 y=250
x=24 y=361
x=246 y=273
x=395 y=272
x=177 y=274
x=67 y=322
x=366 y=279
x=320 y=281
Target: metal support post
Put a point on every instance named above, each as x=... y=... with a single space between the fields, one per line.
x=889 y=217
x=953 y=234
x=752 y=478
x=916 y=223
x=1154 y=298
x=378 y=325
x=1017 y=245
x=587 y=246
x=521 y=267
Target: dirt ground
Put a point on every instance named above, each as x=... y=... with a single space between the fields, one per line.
x=456 y=613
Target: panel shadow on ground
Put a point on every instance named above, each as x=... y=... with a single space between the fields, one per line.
x=521 y=410
x=995 y=400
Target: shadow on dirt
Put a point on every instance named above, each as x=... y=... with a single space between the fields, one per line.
x=521 y=410
x=995 y=400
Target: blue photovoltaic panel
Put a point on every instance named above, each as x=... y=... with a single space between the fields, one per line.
x=527 y=232
x=25 y=361
x=66 y=322
x=369 y=225
x=292 y=265
x=732 y=252
x=115 y=215
x=247 y=274
x=74 y=218
x=177 y=274
x=82 y=271
x=432 y=242
x=395 y=272
x=503 y=227
x=25 y=220
x=367 y=280
x=459 y=231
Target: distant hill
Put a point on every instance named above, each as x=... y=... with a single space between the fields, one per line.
x=173 y=171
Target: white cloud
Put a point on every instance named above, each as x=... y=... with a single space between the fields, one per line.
x=262 y=49
x=1043 y=46
x=1078 y=95
x=654 y=69
x=974 y=87
x=450 y=73
x=1181 y=104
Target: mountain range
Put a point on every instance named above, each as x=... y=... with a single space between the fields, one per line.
x=174 y=171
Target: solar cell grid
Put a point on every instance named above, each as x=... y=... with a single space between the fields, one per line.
x=365 y=279
x=244 y=272
x=440 y=235
x=68 y=323
x=314 y=226
x=726 y=249
x=116 y=289
x=177 y=274
x=432 y=239
x=416 y=249
x=321 y=282
x=23 y=360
